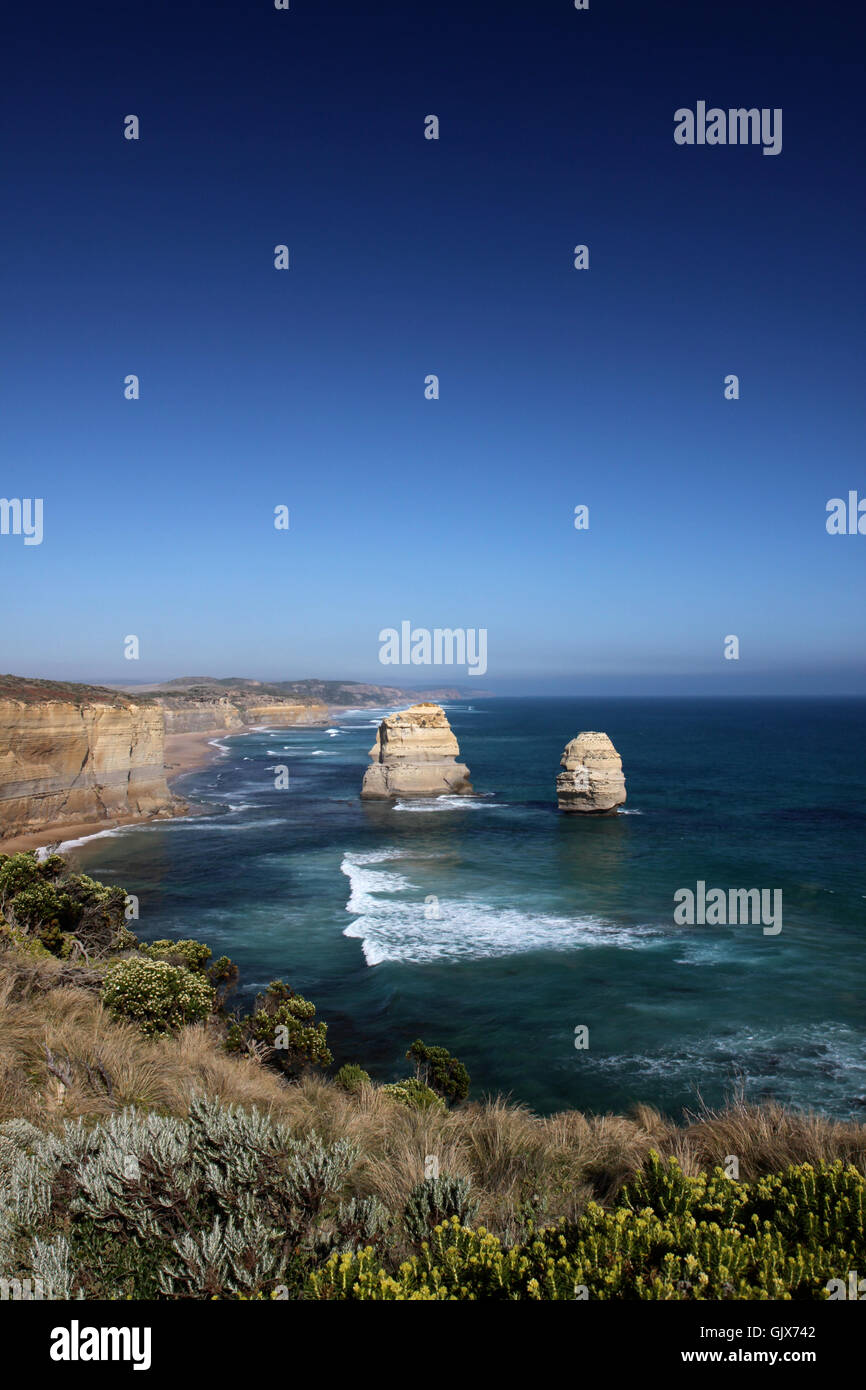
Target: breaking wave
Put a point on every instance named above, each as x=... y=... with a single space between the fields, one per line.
x=422 y=928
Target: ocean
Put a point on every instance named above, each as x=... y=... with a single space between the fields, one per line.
x=498 y=928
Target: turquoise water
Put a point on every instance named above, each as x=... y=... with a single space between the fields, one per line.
x=496 y=926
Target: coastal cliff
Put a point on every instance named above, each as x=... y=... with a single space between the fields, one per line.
x=415 y=754
x=209 y=713
x=71 y=754
x=199 y=716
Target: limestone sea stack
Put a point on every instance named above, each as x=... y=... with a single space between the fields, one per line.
x=415 y=754
x=592 y=778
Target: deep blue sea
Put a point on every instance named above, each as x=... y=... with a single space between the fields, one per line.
x=496 y=926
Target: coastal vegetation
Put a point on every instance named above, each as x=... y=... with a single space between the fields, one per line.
x=155 y=1144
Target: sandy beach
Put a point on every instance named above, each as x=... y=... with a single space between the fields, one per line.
x=184 y=752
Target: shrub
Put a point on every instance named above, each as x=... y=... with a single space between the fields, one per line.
x=223 y=975
x=281 y=1031
x=456 y=1263
x=223 y=1204
x=67 y=913
x=352 y=1078
x=193 y=955
x=157 y=996
x=440 y=1071
x=669 y=1237
x=415 y=1093
x=435 y=1200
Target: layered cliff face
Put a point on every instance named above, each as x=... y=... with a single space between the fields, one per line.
x=415 y=754
x=65 y=761
x=592 y=780
x=281 y=714
x=189 y=714
x=199 y=716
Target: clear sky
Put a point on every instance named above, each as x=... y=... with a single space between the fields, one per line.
x=410 y=256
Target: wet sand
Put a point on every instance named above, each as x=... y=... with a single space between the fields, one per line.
x=184 y=752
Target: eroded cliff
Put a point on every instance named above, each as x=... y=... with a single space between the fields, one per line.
x=206 y=712
x=76 y=754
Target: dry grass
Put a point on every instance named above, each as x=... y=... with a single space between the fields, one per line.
x=62 y=1057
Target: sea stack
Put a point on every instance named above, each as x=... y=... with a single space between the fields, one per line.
x=592 y=779
x=415 y=754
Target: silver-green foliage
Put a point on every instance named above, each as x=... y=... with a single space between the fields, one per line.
x=219 y=1204
x=435 y=1200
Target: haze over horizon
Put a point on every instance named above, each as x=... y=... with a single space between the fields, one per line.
x=796 y=685
x=408 y=257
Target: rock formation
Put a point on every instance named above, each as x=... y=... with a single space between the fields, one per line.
x=192 y=716
x=76 y=754
x=415 y=754
x=283 y=713
x=209 y=713
x=592 y=780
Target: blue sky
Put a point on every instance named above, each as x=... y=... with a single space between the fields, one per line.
x=408 y=257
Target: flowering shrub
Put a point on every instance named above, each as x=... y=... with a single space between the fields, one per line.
x=670 y=1236
x=415 y=1093
x=157 y=996
x=194 y=955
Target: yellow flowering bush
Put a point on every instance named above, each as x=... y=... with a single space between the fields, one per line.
x=670 y=1236
x=157 y=996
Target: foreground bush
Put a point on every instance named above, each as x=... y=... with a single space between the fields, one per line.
x=193 y=955
x=230 y=1203
x=46 y=909
x=157 y=996
x=224 y=1204
x=433 y=1201
x=669 y=1237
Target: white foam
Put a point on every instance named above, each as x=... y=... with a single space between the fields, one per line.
x=392 y=929
x=829 y=1054
x=449 y=803
x=43 y=850
x=219 y=823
